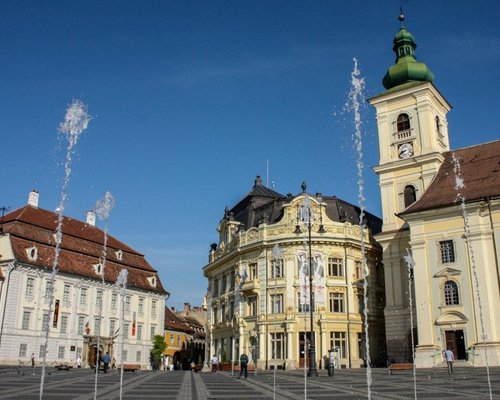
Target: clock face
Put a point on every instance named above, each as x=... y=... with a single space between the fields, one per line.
x=405 y=150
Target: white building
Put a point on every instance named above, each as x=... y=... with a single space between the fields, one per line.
x=86 y=303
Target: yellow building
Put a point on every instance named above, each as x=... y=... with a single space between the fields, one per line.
x=258 y=298
x=178 y=340
x=455 y=249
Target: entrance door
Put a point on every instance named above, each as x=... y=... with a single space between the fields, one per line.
x=455 y=341
x=304 y=342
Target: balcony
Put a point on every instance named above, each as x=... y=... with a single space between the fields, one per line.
x=249 y=287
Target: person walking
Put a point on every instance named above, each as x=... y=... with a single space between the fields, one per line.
x=215 y=363
x=450 y=357
x=106 y=360
x=79 y=362
x=243 y=366
x=32 y=359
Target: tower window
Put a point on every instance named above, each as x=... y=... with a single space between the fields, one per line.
x=438 y=124
x=410 y=195
x=451 y=293
x=403 y=122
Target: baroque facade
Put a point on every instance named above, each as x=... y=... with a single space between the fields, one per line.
x=88 y=306
x=258 y=275
x=442 y=207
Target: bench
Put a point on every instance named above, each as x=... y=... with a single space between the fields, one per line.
x=63 y=367
x=400 y=367
x=131 y=368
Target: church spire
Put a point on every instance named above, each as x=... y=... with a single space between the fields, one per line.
x=407 y=69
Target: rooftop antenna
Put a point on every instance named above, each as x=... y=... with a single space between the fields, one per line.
x=3 y=209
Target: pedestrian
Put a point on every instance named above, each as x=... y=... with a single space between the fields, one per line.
x=32 y=359
x=106 y=360
x=243 y=366
x=215 y=363
x=448 y=354
x=79 y=362
x=167 y=363
x=113 y=363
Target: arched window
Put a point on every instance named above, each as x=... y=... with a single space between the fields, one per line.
x=403 y=122
x=410 y=195
x=451 y=293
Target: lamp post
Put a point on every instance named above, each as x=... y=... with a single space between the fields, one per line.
x=308 y=220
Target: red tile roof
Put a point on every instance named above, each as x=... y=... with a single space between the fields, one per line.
x=480 y=171
x=174 y=323
x=81 y=248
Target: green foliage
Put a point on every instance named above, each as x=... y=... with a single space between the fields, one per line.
x=158 y=349
x=224 y=356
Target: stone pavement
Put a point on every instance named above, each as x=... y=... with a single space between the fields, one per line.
x=466 y=383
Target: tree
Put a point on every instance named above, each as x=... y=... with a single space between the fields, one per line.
x=157 y=351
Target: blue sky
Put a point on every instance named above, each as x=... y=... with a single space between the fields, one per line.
x=191 y=98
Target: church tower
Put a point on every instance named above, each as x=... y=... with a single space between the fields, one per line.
x=413 y=134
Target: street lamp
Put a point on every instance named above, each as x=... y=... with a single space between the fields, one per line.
x=306 y=217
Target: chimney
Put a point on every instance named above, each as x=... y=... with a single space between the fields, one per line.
x=33 y=198
x=91 y=218
x=187 y=308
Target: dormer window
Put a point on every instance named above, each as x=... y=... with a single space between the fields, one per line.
x=32 y=253
x=403 y=122
x=152 y=281
x=98 y=268
x=119 y=255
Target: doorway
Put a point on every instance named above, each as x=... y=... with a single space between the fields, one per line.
x=304 y=348
x=455 y=341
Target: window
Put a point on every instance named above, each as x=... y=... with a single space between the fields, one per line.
x=23 y=350
x=171 y=338
x=451 y=293
x=361 y=303
x=64 y=324
x=232 y=280
x=26 y=320
x=112 y=327
x=403 y=122
x=60 y=352
x=277 y=345
x=358 y=271
x=410 y=195
x=98 y=299
x=231 y=310
x=81 y=325
x=126 y=328
x=125 y=355
x=216 y=287
x=447 y=251
x=30 y=285
x=276 y=304
x=45 y=321
x=252 y=269
x=252 y=306
x=153 y=309
x=114 y=297
x=216 y=316
x=139 y=331
x=152 y=332
x=83 y=296
x=223 y=282
x=97 y=325
x=223 y=312
x=335 y=266
x=138 y=356
x=140 y=306
x=277 y=270
x=337 y=302
x=48 y=289
x=42 y=351
x=303 y=307
x=338 y=340
x=178 y=340
x=66 y=294
x=127 y=303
